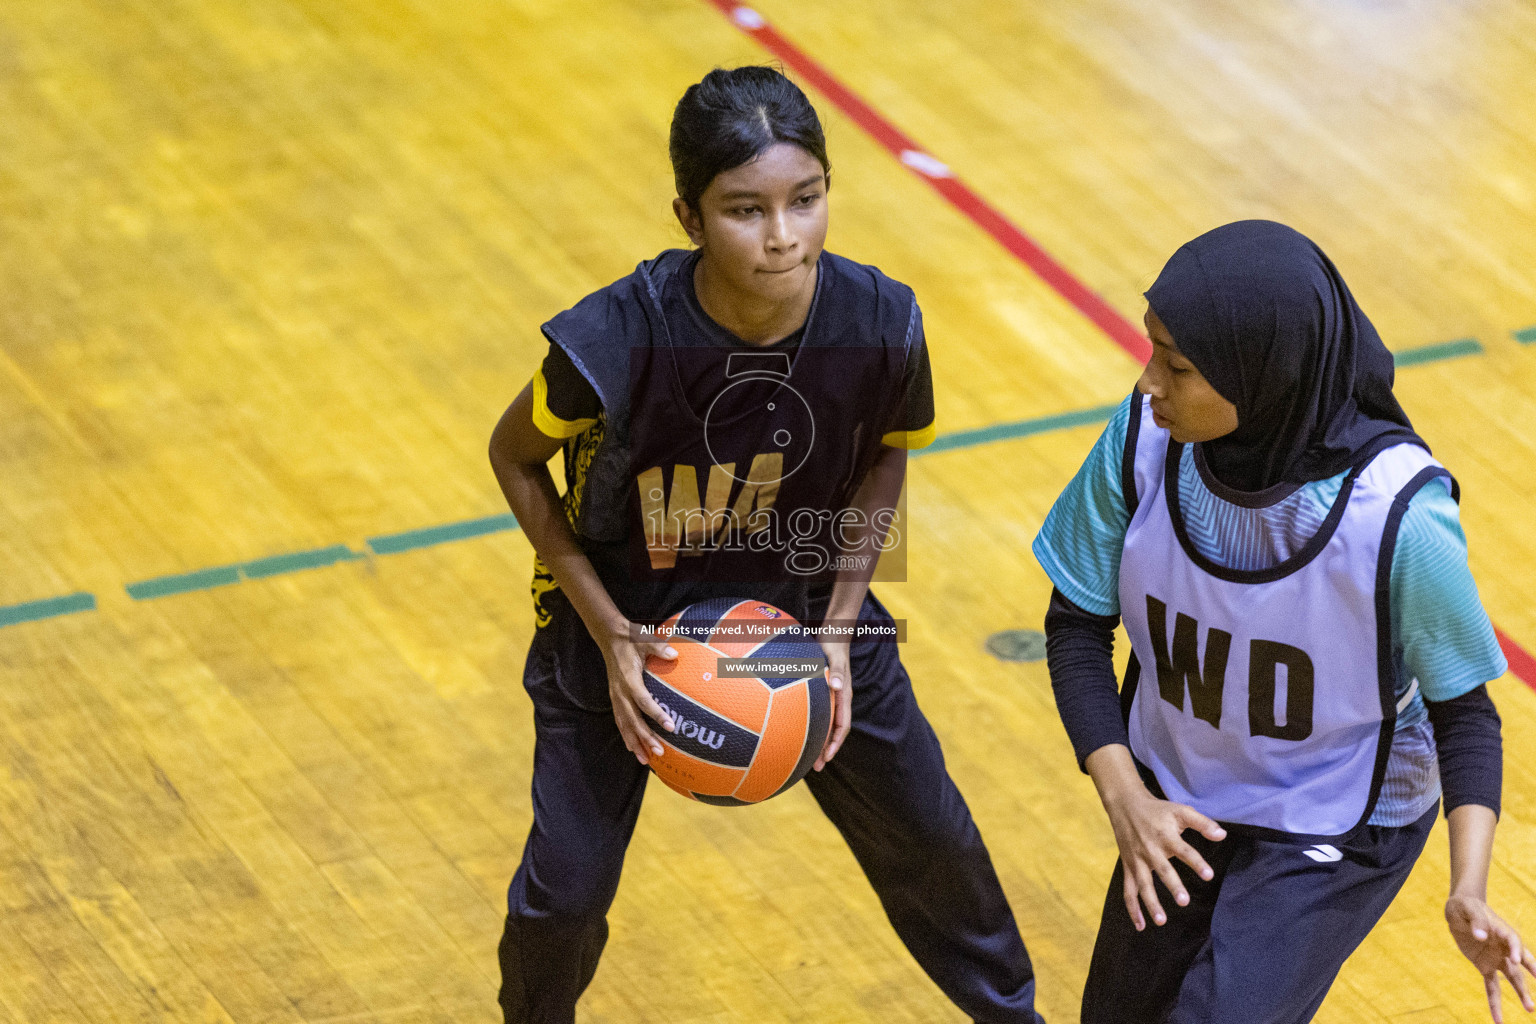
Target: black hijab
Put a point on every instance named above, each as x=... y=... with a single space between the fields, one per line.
x=1268 y=321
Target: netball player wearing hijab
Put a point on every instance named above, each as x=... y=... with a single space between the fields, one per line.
x=1308 y=650
x=644 y=374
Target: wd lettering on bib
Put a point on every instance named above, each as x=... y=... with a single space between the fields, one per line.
x=1206 y=682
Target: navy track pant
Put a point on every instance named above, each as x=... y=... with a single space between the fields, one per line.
x=1261 y=942
x=887 y=791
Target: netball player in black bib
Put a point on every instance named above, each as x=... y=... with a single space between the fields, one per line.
x=755 y=379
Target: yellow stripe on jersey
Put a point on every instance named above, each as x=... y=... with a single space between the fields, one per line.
x=911 y=439
x=548 y=423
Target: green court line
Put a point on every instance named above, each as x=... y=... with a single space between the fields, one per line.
x=410 y=540
x=1020 y=428
x=31 y=611
x=1435 y=353
x=298 y=561
x=1525 y=336
x=180 y=583
x=223 y=575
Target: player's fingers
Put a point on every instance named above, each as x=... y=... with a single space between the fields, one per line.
x=1132 y=901
x=1511 y=944
x=632 y=741
x=630 y=744
x=645 y=702
x=836 y=675
x=842 y=719
x=642 y=699
x=645 y=740
x=1188 y=817
x=659 y=648
x=643 y=650
x=844 y=712
x=1495 y=998
x=623 y=715
x=1511 y=969
x=1173 y=883
x=1148 y=893
x=835 y=684
x=1191 y=856
x=651 y=741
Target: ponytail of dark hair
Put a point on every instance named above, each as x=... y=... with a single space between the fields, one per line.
x=730 y=118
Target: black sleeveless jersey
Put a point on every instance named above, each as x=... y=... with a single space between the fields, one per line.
x=739 y=486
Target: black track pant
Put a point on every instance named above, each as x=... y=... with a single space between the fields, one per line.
x=887 y=791
x=1258 y=944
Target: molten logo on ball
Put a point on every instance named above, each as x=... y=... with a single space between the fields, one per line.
x=693 y=730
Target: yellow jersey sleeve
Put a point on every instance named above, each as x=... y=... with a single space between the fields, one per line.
x=548 y=423
x=911 y=439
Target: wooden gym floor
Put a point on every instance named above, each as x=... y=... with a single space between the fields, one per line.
x=272 y=268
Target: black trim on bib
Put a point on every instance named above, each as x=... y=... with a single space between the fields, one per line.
x=1128 y=687
x=1272 y=495
x=1386 y=667
x=1310 y=550
x=1128 y=457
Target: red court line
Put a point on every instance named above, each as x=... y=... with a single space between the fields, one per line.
x=1521 y=664
x=918 y=160
x=932 y=170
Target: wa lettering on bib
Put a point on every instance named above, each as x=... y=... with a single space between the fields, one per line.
x=1264 y=699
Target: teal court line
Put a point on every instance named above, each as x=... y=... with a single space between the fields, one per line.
x=318 y=558
x=430 y=536
x=47 y=608
x=261 y=568
x=1435 y=353
x=202 y=579
x=1021 y=428
x=410 y=540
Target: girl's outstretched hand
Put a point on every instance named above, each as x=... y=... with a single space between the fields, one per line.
x=1150 y=833
x=1494 y=947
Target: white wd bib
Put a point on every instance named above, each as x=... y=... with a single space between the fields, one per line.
x=1264 y=699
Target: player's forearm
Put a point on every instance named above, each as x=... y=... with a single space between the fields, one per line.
x=1471 y=829
x=530 y=493
x=876 y=501
x=1079 y=652
x=1114 y=774
x=1469 y=749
